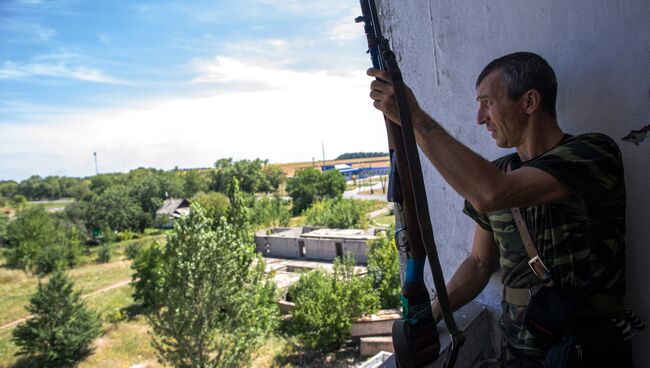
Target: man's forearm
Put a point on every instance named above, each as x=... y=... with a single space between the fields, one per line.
x=467 y=282
x=472 y=176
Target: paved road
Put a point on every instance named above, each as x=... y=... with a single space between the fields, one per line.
x=354 y=193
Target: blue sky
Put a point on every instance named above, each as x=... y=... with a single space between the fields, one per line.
x=179 y=83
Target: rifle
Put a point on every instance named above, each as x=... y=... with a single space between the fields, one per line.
x=406 y=182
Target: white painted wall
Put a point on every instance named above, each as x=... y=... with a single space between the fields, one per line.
x=600 y=50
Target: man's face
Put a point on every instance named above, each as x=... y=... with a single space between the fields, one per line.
x=503 y=118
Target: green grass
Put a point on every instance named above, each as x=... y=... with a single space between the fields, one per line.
x=119 y=247
x=384 y=220
x=110 y=304
x=123 y=343
x=18 y=286
x=58 y=204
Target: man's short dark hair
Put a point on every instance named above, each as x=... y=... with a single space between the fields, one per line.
x=523 y=71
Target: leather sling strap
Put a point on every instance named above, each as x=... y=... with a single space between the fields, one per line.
x=535 y=262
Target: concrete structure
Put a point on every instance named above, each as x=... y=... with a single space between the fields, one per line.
x=311 y=243
x=379 y=324
x=599 y=50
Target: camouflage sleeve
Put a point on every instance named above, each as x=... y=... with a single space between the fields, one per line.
x=480 y=218
x=589 y=164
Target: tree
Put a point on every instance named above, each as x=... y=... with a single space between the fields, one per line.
x=218 y=303
x=195 y=182
x=77 y=189
x=114 y=208
x=383 y=270
x=147 y=280
x=8 y=188
x=214 y=204
x=328 y=304
x=337 y=214
x=99 y=183
x=309 y=185
x=37 y=241
x=63 y=328
x=274 y=178
x=254 y=175
x=332 y=184
x=150 y=187
x=353 y=155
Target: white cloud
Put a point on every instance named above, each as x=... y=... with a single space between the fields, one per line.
x=345 y=29
x=11 y=70
x=104 y=38
x=286 y=123
x=30 y=31
x=319 y=7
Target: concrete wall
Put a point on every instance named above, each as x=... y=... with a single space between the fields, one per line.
x=325 y=249
x=314 y=248
x=600 y=51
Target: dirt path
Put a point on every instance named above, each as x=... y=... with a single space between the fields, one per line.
x=102 y=290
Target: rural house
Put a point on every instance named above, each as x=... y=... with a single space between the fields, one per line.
x=172 y=208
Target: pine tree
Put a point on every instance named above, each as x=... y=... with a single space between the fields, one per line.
x=218 y=303
x=63 y=328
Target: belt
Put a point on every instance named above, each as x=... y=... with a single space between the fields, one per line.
x=518 y=296
x=601 y=302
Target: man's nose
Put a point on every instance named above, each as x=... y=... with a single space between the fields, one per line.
x=481 y=116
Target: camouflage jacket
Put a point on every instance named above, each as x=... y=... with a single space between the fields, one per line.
x=581 y=238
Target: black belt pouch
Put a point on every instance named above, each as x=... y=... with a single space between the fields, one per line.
x=548 y=314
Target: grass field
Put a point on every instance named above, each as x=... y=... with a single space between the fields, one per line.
x=384 y=220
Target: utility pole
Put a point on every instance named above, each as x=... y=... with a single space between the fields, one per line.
x=323 y=147
x=372 y=191
x=96 y=167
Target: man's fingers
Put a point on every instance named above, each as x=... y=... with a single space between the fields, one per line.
x=379 y=74
x=380 y=86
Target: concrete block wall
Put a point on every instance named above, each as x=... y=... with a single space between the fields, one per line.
x=600 y=51
x=314 y=248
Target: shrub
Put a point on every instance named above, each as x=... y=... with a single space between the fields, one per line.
x=132 y=250
x=270 y=212
x=4 y=222
x=62 y=330
x=383 y=270
x=126 y=235
x=108 y=235
x=215 y=204
x=104 y=253
x=338 y=214
x=328 y=304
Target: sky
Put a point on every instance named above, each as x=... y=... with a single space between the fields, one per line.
x=169 y=84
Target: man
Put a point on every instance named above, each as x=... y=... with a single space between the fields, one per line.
x=572 y=195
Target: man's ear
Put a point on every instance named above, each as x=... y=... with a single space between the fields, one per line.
x=531 y=101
